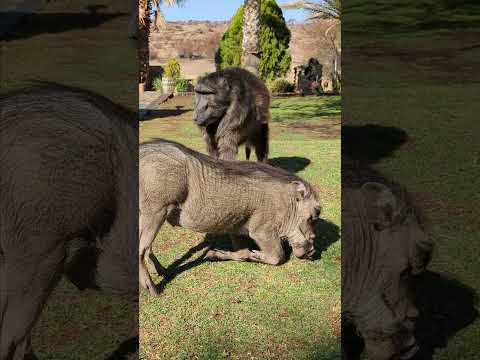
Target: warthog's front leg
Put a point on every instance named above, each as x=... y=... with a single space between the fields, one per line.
x=246 y=255
x=271 y=252
x=149 y=225
x=240 y=255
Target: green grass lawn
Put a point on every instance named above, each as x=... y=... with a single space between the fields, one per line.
x=245 y=310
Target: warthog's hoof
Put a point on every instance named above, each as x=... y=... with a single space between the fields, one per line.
x=148 y=284
x=211 y=255
x=152 y=289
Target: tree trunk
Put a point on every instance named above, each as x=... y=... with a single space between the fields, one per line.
x=251 y=36
x=144 y=39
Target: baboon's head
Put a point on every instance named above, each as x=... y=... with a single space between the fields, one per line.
x=212 y=99
x=304 y=215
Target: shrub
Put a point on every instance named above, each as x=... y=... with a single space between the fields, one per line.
x=172 y=69
x=274 y=41
x=157 y=84
x=281 y=86
x=184 y=85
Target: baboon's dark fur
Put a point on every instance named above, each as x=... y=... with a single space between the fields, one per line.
x=232 y=107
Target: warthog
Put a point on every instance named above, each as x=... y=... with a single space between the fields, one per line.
x=238 y=198
x=383 y=247
x=67 y=159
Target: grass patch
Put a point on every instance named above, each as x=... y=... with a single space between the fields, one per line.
x=244 y=310
x=305 y=109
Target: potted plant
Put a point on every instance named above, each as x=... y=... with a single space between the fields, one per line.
x=184 y=85
x=171 y=75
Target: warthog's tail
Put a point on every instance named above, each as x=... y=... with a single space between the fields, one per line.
x=247 y=152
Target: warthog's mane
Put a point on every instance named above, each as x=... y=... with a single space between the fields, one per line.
x=45 y=88
x=355 y=174
x=248 y=169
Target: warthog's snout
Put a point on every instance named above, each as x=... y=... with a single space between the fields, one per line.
x=309 y=255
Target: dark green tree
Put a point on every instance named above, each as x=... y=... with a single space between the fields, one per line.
x=274 y=41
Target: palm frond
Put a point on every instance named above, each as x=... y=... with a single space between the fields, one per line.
x=159 y=21
x=324 y=9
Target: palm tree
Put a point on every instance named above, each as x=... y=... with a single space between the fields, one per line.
x=251 y=50
x=147 y=8
x=323 y=9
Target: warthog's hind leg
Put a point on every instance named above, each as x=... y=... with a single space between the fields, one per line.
x=149 y=225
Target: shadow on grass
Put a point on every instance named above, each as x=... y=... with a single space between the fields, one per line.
x=18 y=25
x=446 y=306
x=327 y=233
x=125 y=349
x=371 y=143
x=181 y=265
x=291 y=163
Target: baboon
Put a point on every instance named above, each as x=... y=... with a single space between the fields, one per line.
x=232 y=107
x=197 y=192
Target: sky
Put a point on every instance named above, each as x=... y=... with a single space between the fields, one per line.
x=215 y=10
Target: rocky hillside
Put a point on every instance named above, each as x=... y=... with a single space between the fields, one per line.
x=194 y=43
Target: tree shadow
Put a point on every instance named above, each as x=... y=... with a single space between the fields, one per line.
x=446 y=306
x=371 y=143
x=290 y=163
x=18 y=25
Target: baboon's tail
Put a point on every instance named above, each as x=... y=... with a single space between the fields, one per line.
x=248 y=151
x=261 y=148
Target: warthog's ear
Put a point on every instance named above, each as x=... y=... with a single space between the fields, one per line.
x=301 y=190
x=381 y=204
